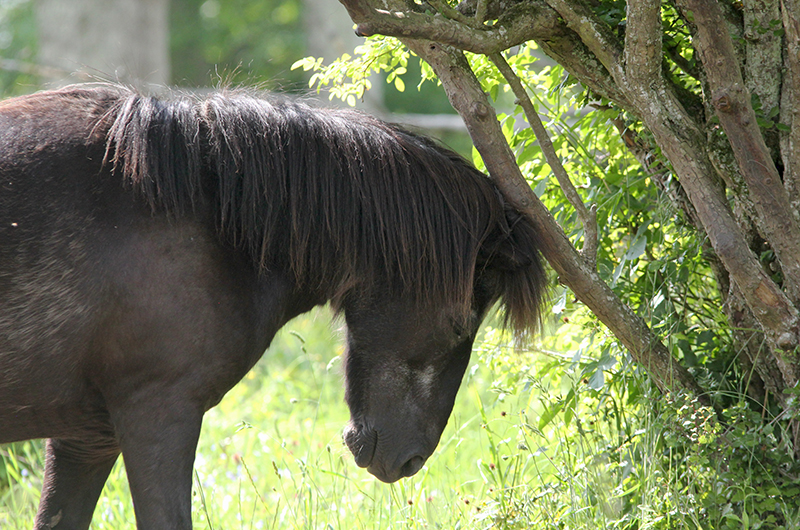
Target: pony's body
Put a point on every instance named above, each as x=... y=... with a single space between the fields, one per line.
x=150 y=250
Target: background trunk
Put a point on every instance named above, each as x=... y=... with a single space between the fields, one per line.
x=104 y=40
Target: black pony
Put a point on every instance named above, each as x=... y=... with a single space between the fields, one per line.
x=149 y=251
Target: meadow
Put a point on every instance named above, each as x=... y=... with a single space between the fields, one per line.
x=563 y=436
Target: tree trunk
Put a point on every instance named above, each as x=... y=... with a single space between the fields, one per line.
x=123 y=41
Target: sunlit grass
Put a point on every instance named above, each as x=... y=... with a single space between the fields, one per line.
x=569 y=436
x=271 y=454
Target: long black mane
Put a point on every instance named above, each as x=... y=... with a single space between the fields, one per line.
x=343 y=199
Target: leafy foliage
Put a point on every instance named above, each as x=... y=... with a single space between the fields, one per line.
x=348 y=77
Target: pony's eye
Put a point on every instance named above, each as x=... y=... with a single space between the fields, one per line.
x=459 y=330
x=463 y=326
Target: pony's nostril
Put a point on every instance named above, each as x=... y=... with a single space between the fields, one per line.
x=362 y=443
x=413 y=465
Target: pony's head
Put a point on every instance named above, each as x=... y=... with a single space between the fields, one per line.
x=405 y=360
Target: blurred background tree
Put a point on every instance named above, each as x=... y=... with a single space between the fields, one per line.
x=186 y=43
x=18 y=48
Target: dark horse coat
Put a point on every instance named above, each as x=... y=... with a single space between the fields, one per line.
x=150 y=249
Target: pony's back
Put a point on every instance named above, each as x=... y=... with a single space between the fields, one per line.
x=337 y=198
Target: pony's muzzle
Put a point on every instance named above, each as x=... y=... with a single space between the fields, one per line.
x=403 y=467
x=363 y=443
x=412 y=465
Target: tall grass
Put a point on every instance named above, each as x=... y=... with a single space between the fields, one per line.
x=566 y=436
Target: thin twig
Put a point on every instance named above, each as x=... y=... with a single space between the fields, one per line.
x=588 y=216
x=444 y=9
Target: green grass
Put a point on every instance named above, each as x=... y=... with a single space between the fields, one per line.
x=546 y=440
x=271 y=454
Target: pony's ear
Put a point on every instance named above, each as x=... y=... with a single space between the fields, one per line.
x=512 y=263
x=512 y=245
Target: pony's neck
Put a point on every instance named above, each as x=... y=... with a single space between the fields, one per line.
x=280 y=300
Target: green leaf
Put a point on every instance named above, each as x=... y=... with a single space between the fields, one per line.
x=540 y=187
x=765 y=123
x=637 y=248
x=549 y=414
x=597 y=380
x=569 y=410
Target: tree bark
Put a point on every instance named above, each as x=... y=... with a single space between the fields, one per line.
x=790 y=109
x=731 y=100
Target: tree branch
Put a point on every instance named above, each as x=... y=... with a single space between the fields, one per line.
x=571 y=53
x=651 y=97
x=775 y=313
x=468 y=99
x=483 y=10
x=762 y=51
x=443 y=8
x=643 y=42
x=587 y=216
x=520 y=23
x=595 y=34
x=682 y=142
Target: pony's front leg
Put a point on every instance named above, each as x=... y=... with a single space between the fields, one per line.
x=158 y=440
x=74 y=475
